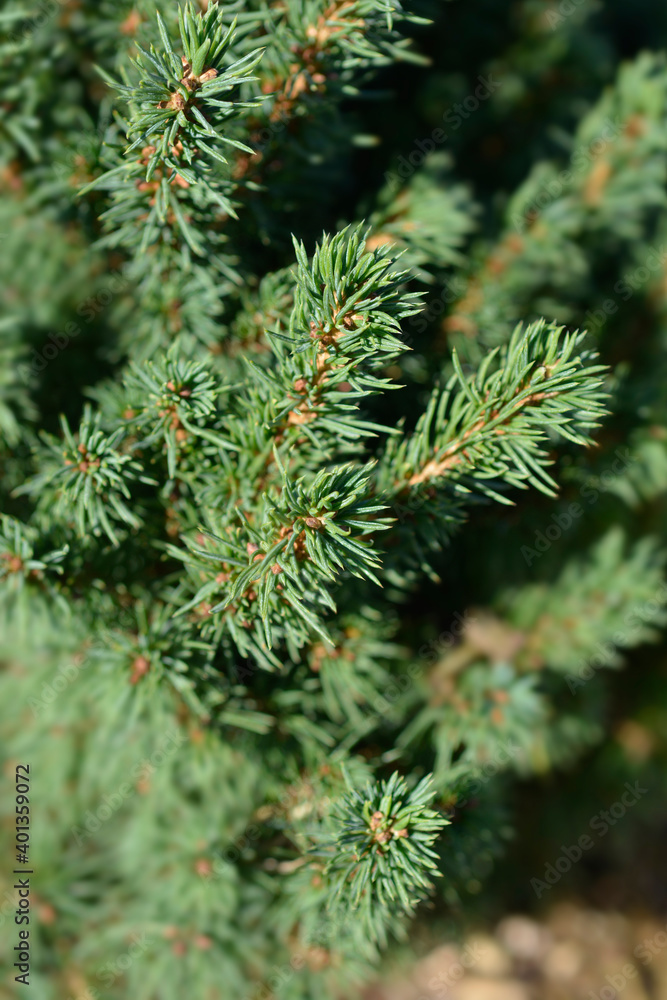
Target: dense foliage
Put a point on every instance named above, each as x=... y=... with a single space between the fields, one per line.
x=333 y=439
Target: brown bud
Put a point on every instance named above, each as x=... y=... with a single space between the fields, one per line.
x=46 y=913
x=131 y=23
x=376 y=819
x=140 y=666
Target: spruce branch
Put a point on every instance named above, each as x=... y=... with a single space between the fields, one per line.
x=345 y=324
x=302 y=526
x=177 y=110
x=382 y=852
x=19 y=564
x=173 y=401
x=484 y=432
x=227 y=611
x=87 y=477
x=465 y=716
x=349 y=300
x=554 y=245
x=180 y=110
x=321 y=50
x=15 y=400
x=606 y=599
x=499 y=424
x=278 y=570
